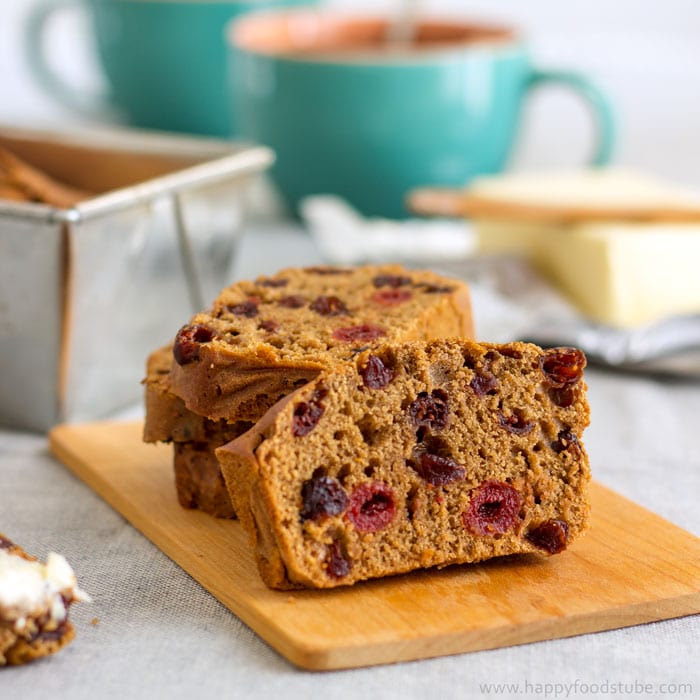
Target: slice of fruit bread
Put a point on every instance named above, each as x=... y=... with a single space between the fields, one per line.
x=415 y=455
x=263 y=339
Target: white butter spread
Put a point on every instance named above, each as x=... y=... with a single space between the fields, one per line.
x=622 y=273
x=30 y=589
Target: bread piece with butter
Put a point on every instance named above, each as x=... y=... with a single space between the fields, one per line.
x=34 y=602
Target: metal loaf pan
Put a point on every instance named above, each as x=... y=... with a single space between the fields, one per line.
x=86 y=293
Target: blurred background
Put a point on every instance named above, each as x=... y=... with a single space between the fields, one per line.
x=645 y=55
x=621 y=284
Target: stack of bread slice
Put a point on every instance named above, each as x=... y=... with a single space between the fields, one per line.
x=359 y=431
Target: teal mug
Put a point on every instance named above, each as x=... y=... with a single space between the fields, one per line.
x=164 y=60
x=350 y=113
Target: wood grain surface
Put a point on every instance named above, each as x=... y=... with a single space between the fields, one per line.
x=433 y=201
x=632 y=567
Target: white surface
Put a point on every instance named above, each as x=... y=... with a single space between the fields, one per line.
x=162 y=636
x=645 y=54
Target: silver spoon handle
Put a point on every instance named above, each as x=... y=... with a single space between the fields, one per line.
x=403 y=30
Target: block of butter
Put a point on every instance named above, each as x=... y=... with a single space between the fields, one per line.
x=623 y=246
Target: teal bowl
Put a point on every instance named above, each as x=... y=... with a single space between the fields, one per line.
x=164 y=60
x=351 y=116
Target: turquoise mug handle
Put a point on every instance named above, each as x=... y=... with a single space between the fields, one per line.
x=35 y=41
x=594 y=98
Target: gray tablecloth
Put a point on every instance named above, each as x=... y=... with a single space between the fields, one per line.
x=153 y=632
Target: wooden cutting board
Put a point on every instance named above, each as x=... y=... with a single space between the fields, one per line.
x=632 y=567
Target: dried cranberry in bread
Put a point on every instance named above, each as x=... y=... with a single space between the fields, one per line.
x=416 y=455
x=261 y=340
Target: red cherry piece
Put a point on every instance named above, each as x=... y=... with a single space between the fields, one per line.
x=294 y=301
x=363 y=333
x=566 y=440
x=562 y=366
x=551 y=536
x=329 y=306
x=248 y=308
x=515 y=423
x=322 y=496
x=493 y=509
x=375 y=374
x=392 y=281
x=337 y=564
x=391 y=297
x=430 y=410
x=307 y=414
x=484 y=383
x=188 y=341
x=439 y=471
x=564 y=396
x=372 y=507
